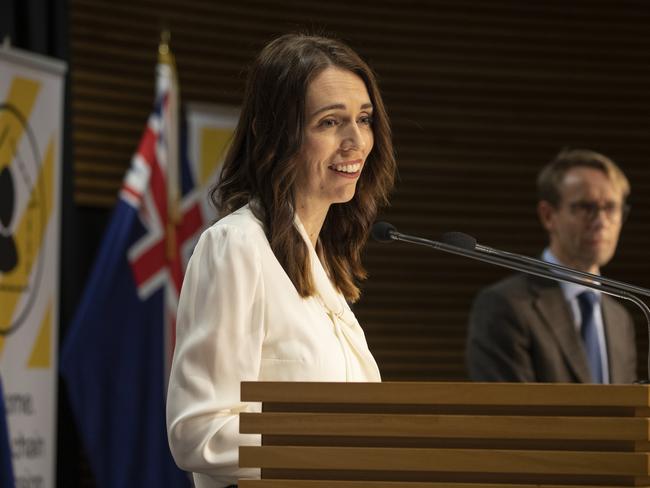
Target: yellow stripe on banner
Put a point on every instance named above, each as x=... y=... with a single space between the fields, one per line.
x=41 y=356
x=22 y=95
x=24 y=232
x=214 y=143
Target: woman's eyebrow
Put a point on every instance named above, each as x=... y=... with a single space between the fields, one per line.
x=339 y=106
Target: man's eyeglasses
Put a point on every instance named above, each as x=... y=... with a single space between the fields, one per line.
x=589 y=210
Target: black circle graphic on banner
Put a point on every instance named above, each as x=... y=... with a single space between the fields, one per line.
x=20 y=283
x=8 y=252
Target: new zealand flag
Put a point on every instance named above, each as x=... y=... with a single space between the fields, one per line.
x=116 y=355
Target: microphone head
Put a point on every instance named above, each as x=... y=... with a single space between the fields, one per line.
x=459 y=239
x=381 y=231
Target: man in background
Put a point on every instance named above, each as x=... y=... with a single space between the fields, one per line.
x=532 y=329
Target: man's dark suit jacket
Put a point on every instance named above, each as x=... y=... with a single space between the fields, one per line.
x=522 y=329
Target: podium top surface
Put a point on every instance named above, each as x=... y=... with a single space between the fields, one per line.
x=448 y=393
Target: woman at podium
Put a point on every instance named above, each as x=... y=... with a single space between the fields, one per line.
x=267 y=289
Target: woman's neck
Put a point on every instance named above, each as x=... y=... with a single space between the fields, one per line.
x=312 y=220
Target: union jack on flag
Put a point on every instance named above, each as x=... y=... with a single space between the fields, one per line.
x=152 y=186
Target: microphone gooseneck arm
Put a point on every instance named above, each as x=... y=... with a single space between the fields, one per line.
x=524 y=264
x=465 y=241
x=532 y=261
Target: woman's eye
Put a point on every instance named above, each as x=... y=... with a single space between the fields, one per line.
x=366 y=120
x=328 y=123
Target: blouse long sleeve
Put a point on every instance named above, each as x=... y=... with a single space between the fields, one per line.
x=220 y=330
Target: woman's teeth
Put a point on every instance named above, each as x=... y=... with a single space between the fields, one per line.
x=347 y=168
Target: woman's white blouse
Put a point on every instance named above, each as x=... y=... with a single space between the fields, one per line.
x=241 y=319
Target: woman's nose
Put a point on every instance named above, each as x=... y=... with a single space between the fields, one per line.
x=354 y=138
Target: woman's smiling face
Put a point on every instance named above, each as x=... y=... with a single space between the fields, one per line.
x=338 y=137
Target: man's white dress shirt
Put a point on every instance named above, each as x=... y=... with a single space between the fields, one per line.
x=571 y=292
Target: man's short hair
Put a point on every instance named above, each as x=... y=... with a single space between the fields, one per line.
x=552 y=175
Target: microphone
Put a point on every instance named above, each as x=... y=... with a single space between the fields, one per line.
x=382 y=231
x=465 y=245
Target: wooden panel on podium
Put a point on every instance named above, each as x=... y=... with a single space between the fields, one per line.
x=457 y=435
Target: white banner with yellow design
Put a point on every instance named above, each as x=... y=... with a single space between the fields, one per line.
x=31 y=128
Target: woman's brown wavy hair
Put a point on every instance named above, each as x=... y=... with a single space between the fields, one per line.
x=261 y=164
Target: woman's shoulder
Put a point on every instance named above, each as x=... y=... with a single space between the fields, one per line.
x=239 y=225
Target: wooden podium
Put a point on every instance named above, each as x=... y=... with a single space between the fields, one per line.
x=457 y=435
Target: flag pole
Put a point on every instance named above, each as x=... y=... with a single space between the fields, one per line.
x=166 y=57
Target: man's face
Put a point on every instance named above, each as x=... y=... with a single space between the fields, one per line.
x=585 y=226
